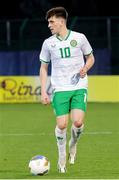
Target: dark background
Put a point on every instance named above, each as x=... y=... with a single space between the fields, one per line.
x=23 y=29
x=19 y=9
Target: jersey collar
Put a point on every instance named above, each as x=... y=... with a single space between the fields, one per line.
x=66 y=37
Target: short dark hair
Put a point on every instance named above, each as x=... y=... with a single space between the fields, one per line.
x=58 y=12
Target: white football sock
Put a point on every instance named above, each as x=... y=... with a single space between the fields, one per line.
x=75 y=133
x=61 y=143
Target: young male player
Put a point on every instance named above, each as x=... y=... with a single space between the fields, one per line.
x=66 y=50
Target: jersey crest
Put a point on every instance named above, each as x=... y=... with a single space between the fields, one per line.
x=73 y=43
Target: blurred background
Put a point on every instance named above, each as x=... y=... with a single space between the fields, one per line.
x=26 y=126
x=23 y=29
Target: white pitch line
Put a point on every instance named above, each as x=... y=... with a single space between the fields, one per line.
x=51 y=134
x=60 y=179
x=103 y=132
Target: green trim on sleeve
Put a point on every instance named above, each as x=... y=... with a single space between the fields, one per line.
x=88 y=54
x=44 y=61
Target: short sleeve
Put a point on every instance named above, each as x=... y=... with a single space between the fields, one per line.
x=45 y=53
x=86 y=47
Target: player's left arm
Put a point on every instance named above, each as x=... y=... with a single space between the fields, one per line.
x=89 y=63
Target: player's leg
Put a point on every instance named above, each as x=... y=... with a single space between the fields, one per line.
x=60 y=133
x=78 y=106
x=61 y=108
x=76 y=130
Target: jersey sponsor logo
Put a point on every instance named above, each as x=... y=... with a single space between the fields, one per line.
x=53 y=45
x=73 y=43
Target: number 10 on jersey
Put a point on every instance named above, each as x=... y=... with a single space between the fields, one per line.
x=65 y=52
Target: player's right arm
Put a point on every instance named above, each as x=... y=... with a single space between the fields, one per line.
x=45 y=59
x=43 y=80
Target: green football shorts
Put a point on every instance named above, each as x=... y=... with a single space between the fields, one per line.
x=64 y=101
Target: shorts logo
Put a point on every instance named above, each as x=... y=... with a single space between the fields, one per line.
x=73 y=43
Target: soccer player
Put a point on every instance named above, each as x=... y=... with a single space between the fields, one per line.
x=66 y=50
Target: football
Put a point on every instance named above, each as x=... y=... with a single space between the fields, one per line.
x=39 y=165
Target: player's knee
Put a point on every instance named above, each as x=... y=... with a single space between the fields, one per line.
x=78 y=124
x=62 y=126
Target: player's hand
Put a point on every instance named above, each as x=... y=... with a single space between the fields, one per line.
x=45 y=99
x=83 y=72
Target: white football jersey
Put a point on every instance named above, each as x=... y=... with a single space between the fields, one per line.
x=67 y=58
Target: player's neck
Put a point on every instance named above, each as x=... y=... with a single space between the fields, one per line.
x=63 y=33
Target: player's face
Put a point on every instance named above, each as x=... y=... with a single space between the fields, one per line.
x=55 y=24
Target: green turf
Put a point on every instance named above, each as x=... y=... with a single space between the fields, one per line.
x=28 y=129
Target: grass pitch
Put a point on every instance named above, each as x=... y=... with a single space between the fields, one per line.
x=27 y=130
